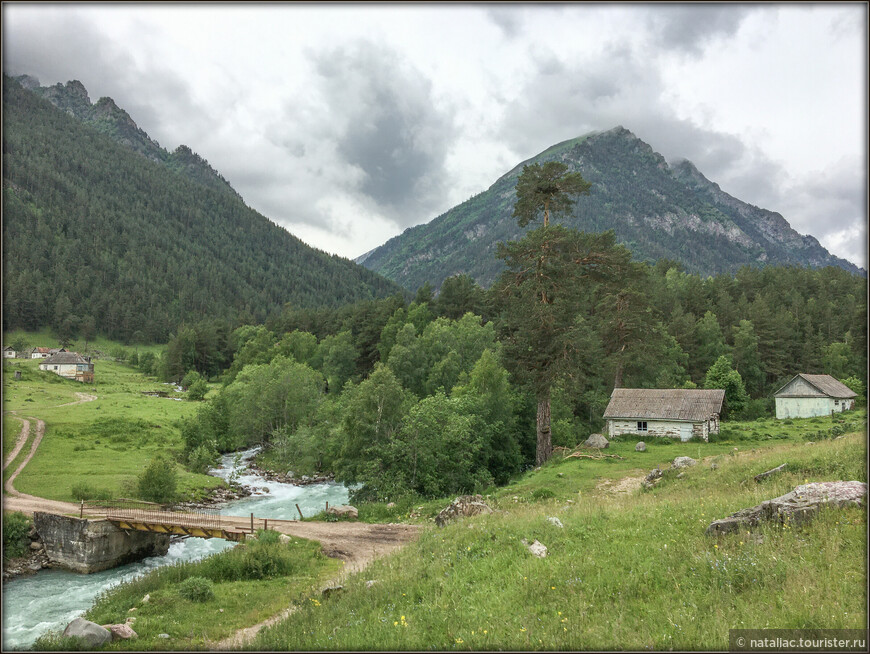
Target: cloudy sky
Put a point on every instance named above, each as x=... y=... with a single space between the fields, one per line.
x=349 y=123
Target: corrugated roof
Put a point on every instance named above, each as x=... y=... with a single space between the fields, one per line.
x=65 y=358
x=825 y=383
x=664 y=404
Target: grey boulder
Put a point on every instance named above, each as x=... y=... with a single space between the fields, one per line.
x=92 y=634
x=597 y=441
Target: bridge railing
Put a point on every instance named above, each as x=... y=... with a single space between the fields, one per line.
x=151 y=512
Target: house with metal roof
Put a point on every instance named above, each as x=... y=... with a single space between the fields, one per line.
x=807 y=396
x=669 y=413
x=71 y=365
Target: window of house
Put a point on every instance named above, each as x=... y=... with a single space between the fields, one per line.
x=641 y=426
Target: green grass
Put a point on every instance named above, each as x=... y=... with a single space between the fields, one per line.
x=628 y=572
x=11 y=431
x=250 y=583
x=104 y=444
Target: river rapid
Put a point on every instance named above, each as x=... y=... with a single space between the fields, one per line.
x=50 y=599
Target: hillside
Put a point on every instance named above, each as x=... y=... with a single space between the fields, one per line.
x=105 y=232
x=655 y=209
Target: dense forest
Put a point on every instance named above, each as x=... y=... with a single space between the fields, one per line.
x=655 y=209
x=428 y=397
x=99 y=238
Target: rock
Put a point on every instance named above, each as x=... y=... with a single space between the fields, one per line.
x=130 y=620
x=556 y=522
x=304 y=477
x=683 y=462
x=463 y=506
x=331 y=590
x=372 y=582
x=597 y=441
x=36 y=546
x=266 y=489
x=92 y=634
x=147 y=598
x=654 y=474
x=560 y=474
x=284 y=539
x=681 y=475
x=537 y=548
x=344 y=511
x=132 y=609
x=122 y=632
x=714 y=466
x=640 y=447
x=797 y=506
x=163 y=635
x=390 y=505
x=775 y=470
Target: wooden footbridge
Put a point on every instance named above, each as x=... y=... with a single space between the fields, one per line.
x=166 y=519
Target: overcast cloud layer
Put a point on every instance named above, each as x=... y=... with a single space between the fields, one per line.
x=349 y=123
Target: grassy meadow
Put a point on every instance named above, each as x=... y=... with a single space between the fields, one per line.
x=104 y=444
x=625 y=571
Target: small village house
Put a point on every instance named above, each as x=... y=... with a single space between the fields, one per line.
x=807 y=396
x=671 y=413
x=9 y=353
x=40 y=353
x=71 y=365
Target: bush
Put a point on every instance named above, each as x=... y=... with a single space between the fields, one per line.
x=196 y=589
x=15 y=534
x=543 y=494
x=159 y=481
x=203 y=458
x=197 y=390
x=84 y=491
x=190 y=379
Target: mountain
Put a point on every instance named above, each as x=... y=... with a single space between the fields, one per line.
x=105 y=231
x=655 y=209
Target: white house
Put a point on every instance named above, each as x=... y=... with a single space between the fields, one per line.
x=71 y=365
x=671 y=413
x=806 y=396
x=9 y=353
x=40 y=353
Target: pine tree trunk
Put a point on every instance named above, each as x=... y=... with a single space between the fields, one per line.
x=545 y=441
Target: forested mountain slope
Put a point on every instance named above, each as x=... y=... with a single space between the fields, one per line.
x=656 y=210
x=99 y=238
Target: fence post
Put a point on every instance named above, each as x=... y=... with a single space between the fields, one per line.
x=252 y=523
x=300 y=512
x=327 y=506
x=82 y=510
x=266 y=524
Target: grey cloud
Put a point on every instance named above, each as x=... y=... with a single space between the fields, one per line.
x=690 y=27
x=389 y=127
x=507 y=19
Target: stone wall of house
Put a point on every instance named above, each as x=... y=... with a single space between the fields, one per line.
x=659 y=428
x=805 y=407
x=92 y=545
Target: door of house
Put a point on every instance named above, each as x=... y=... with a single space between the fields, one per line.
x=685 y=431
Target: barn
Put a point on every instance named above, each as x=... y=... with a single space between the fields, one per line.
x=670 y=413
x=807 y=396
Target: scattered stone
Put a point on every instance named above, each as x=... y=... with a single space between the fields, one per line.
x=36 y=546
x=681 y=475
x=372 y=582
x=556 y=522
x=640 y=447
x=131 y=610
x=463 y=506
x=683 y=462
x=92 y=634
x=800 y=505
x=220 y=610
x=284 y=539
x=597 y=441
x=537 y=548
x=390 y=505
x=122 y=632
x=130 y=620
x=266 y=489
x=714 y=466
x=764 y=475
x=147 y=598
x=560 y=474
x=163 y=635
x=331 y=590
x=344 y=511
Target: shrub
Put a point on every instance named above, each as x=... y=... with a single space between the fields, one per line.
x=15 y=529
x=159 y=481
x=84 y=491
x=542 y=494
x=197 y=390
x=196 y=589
x=190 y=379
x=202 y=458
x=268 y=537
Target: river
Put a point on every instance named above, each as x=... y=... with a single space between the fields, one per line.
x=50 y=599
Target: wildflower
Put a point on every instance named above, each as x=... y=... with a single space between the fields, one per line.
x=716 y=546
x=459 y=641
x=396 y=623
x=522 y=628
x=485 y=632
x=552 y=588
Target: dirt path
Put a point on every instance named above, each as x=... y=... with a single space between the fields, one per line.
x=22 y=439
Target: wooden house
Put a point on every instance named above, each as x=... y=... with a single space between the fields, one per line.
x=9 y=352
x=807 y=396
x=71 y=365
x=670 y=413
x=39 y=353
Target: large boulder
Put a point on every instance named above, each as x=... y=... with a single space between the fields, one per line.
x=344 y=511
x=640 y=447
x=597 y=441
x=463 y=506
x=91 y=634
x=122 y=632
x=799 y=505
x=683 y=462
